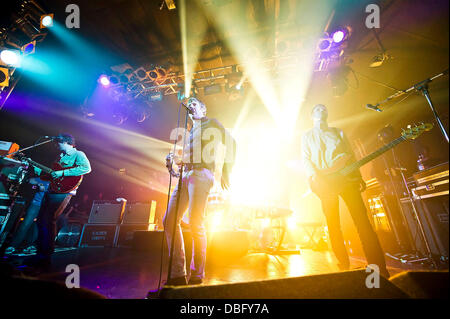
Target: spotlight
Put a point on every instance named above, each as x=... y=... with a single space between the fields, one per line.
x=324 y=44
x=10 y=57
x=141 y=74
x=338 y=36
x=153 y=75
x=47 y=21
x=114 y=79
x=104 y=80
x=155 y=96
x=29 y=48
x=4 y=77
x=341 y=35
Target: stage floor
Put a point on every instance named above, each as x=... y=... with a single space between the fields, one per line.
x=126 y=273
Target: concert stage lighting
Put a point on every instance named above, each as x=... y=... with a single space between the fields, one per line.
x=338 y=36
x=46 y=20
x=341 y=35
x=10 y=57
x=155 y=96
x=29 y=48
x=4 y=77
x=104 y=80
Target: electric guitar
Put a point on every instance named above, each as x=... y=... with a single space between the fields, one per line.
x=64 y=184
x=331 y=180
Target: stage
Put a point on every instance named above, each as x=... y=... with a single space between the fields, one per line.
x=124 y=273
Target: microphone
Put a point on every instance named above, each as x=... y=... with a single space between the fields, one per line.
x=189 y=109
x=374 y=107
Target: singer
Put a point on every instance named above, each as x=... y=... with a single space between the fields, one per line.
x=198 y=177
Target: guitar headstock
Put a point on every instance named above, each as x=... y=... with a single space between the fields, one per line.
x=414 y=131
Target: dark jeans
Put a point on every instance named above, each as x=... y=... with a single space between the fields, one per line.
x=28 y=221
x=25 y=225
x=52 y=206
x=355 y=204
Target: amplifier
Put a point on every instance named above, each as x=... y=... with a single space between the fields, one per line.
x=140 y=213
x=106 y=212
x=126 y=233
x=432 y=182
x=99 y=235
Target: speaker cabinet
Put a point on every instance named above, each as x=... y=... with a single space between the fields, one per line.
x=106 y=212
x=99 y=235
x=140 y=213
x=126 y=233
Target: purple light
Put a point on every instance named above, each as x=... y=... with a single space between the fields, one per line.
x=338 y=36
x=104 y=80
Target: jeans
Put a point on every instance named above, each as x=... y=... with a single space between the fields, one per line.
x=195 y=189
x=355 y=204
x=53 y=205
x=31 y=213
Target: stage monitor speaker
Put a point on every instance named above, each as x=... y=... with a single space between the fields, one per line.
x=106 y=212
x=342 y=285
x=423 y=284
x=98 y=235
x=140 y=213
x=126 y=233
x=149 y=241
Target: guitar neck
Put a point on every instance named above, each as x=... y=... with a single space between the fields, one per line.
x=45 y=169
x=352 y=167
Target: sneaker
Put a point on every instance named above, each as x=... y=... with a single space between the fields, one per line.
x=10 y=250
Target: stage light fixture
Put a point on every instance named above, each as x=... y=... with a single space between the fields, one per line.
x=114 y=79
x=141 y=74
x=324 y=44
x=4 y=77
x=47 y=20
x=104 y=80
x=341 y=35
x=29 y=48
x=153 y=75
x=338 y=36
x=155 y=96
x=10 y=57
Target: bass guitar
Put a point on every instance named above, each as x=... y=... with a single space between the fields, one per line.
x=331 y=180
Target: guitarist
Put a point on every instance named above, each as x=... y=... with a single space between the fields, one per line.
x=54 y=203
x=326 y=148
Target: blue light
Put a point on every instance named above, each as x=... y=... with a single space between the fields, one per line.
x=47 y=21
x=10 y=57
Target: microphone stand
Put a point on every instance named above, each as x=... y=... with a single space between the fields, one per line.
x=179 y=187
x=423 y=88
